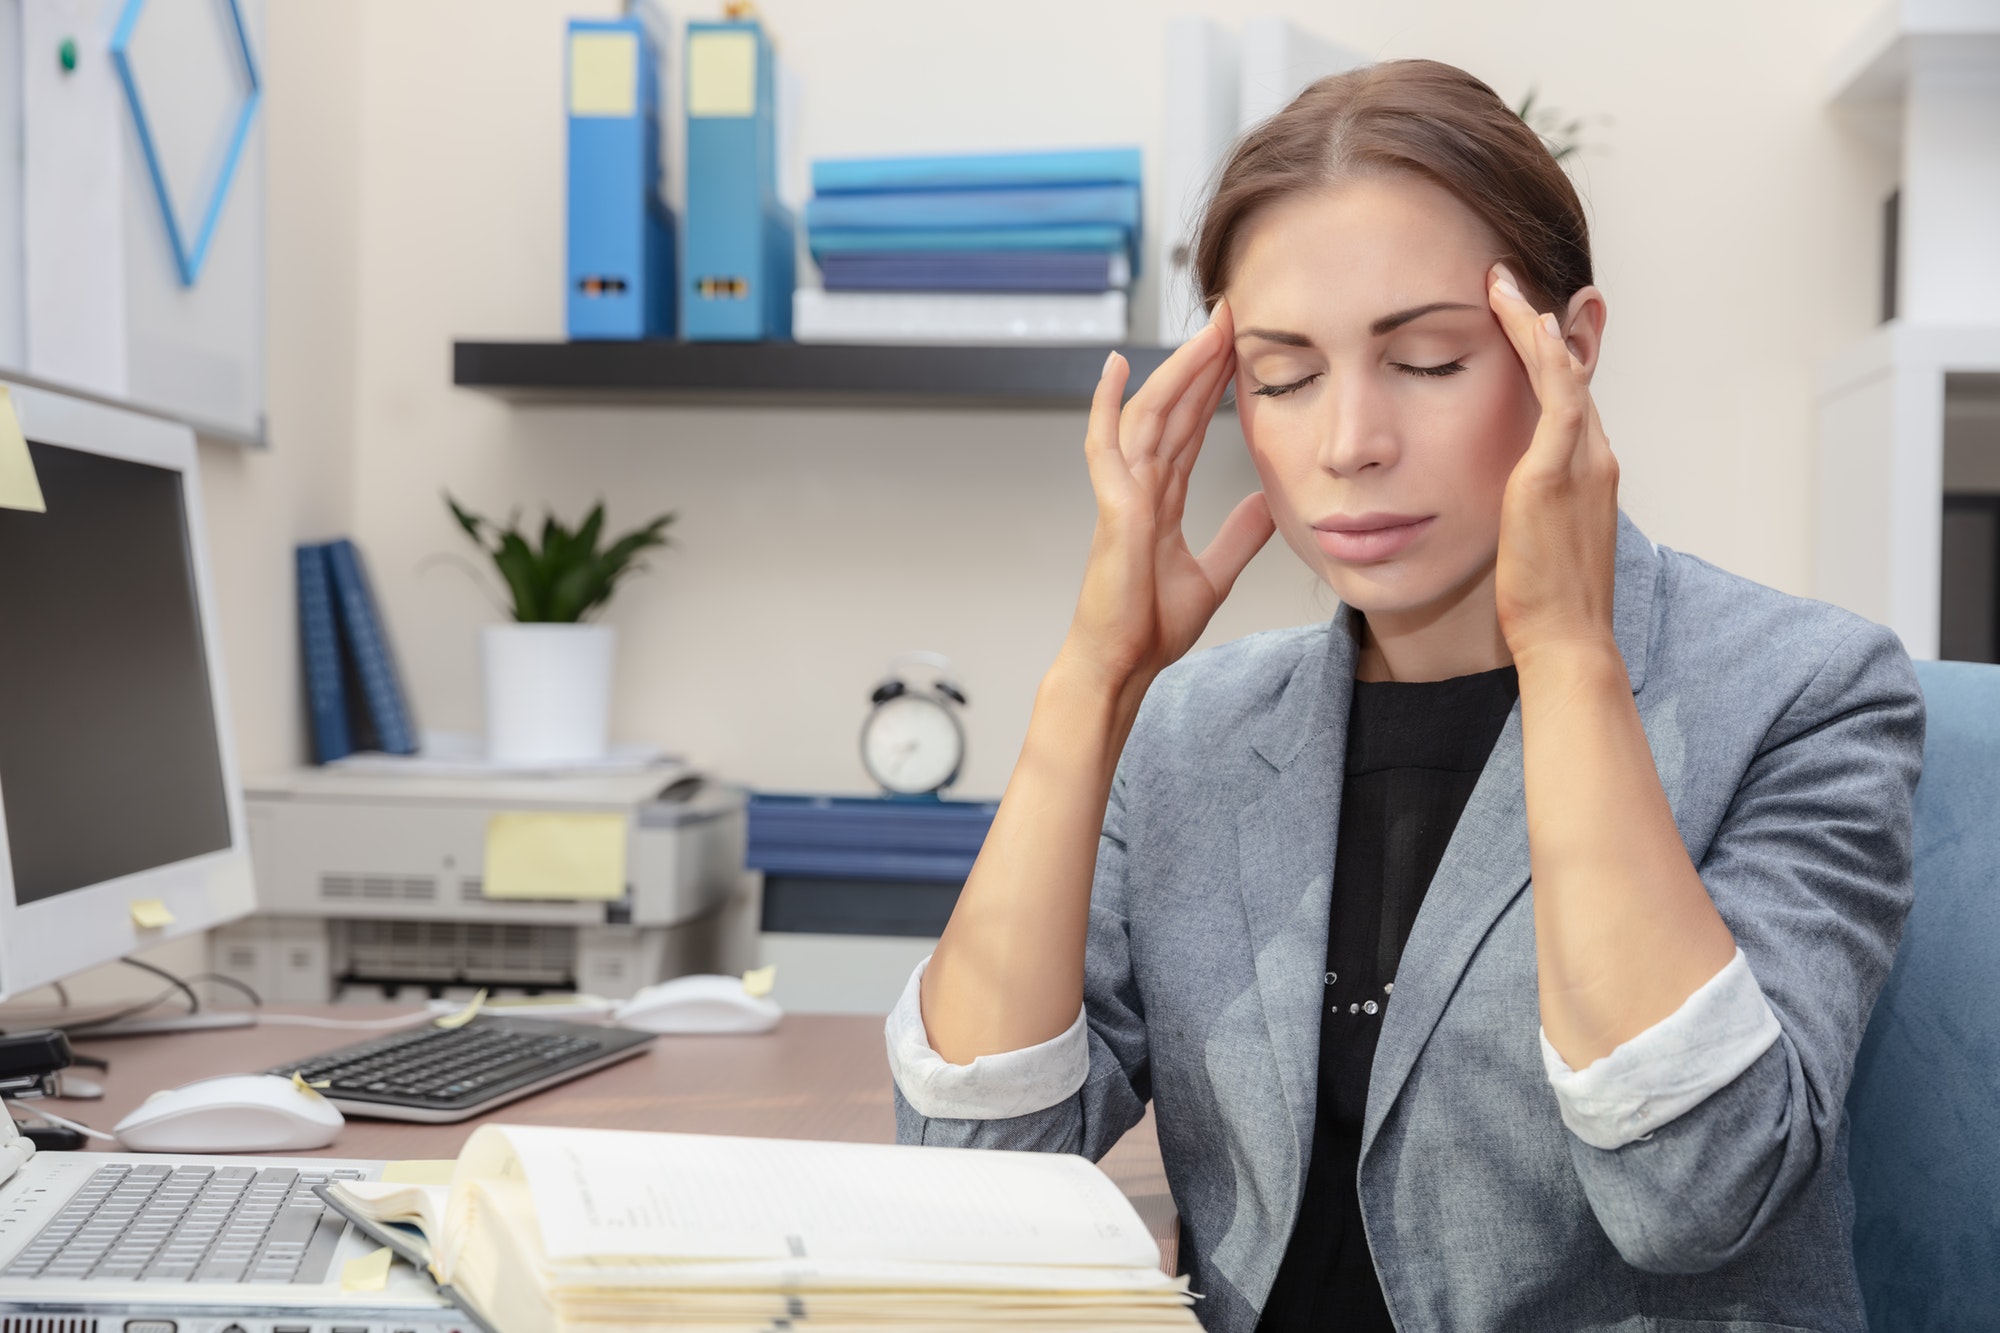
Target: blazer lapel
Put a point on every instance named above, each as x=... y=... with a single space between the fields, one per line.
x=1485 y=865
x=1285 y=842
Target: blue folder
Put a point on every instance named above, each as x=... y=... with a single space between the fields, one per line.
x=1104 y=205
x=976 y=271
x=1093 y=166
x=381 y=688
x=840 y=240
x=620 y=265
x=319 y=650
x=738 y=270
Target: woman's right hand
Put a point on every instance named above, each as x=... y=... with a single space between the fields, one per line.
x=1146 y=597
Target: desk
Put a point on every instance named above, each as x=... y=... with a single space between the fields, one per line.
x=818 y=1076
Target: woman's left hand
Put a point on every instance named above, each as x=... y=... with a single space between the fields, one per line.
x=1559 y=515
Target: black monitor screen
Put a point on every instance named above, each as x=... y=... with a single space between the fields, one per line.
x=108 y=756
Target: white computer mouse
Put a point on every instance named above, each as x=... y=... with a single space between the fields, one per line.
x=233 y=1113
x=702 y=1004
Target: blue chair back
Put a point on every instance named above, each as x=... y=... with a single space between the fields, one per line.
x=1924 y=1151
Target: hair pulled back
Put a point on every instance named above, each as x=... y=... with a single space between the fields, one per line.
x=1418 y=116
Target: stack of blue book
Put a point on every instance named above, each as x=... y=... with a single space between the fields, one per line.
x=1024 y=226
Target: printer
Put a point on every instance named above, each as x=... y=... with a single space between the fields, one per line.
x=371 y=884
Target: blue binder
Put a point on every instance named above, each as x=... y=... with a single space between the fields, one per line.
x=977 y=171
x=621 y=233
x=738 y=263
x=319 y=649
x=375 y=674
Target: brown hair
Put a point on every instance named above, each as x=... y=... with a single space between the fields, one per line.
x=1418 y=116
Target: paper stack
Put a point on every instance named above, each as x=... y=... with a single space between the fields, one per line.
x=553 y=1230
x=1012 y=247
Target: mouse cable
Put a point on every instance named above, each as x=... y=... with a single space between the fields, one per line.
x=66 y=1123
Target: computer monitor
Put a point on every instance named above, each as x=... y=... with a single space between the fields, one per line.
x=118 y=783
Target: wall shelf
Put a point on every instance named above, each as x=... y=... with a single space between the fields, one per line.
x=788 y=374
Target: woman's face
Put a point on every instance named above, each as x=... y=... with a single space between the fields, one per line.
x=1383 y=405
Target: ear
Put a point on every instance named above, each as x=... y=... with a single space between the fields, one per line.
x=1583 y=327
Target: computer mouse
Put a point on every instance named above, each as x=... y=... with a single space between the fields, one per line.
x=233 y=1113
x=701 y=1004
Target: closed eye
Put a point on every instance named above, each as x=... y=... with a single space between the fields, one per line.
x=1280 y=390
x=1448 y=368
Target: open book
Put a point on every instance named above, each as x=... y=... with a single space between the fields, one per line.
x=567 y=1230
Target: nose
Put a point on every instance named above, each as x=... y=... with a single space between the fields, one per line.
x=1358 y=431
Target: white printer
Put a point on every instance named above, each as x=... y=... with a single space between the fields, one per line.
x=373 y=884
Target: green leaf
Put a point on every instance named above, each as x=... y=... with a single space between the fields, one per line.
x=524 y=576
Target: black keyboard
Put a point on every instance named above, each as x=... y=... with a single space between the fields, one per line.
x=444 y=1074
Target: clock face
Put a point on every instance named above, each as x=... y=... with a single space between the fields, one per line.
x=912 y=744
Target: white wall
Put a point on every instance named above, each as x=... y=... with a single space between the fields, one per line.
x=1736 y=236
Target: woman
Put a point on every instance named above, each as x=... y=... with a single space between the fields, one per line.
x=1495 y=956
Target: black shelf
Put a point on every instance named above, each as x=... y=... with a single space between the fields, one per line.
x=788 y=374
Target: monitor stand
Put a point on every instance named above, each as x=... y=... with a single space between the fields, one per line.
x=147 y=1027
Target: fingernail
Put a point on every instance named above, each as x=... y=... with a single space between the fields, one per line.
x=1505 y=282
x=1550 y=327
x=1109 y=357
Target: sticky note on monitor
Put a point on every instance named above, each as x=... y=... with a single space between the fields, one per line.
x=19 y=487
x=550 y=854
x=151 y=914
x=603 y=73
x=722 y=74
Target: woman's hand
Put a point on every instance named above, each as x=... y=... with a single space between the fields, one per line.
x=1559 y=516
x=1146 y=597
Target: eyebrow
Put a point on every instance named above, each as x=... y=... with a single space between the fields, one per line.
x=1386 y=324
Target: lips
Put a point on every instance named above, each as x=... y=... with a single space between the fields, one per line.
x=1363 y=538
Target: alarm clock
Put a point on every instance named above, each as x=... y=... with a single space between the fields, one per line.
x=912 y=742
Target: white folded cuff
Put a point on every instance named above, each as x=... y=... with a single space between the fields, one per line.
x=1670 y=1068
x=992 y=1087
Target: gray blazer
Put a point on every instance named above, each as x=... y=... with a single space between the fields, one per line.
x=1788 y=736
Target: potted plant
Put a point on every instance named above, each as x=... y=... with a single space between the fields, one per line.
x=548 y=673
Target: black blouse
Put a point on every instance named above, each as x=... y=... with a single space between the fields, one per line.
x=1414 y=753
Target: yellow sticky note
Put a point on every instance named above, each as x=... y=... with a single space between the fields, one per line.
x=543 y=854
x=418 y=1172
x=722 y=74
x=368 y=1273
x=309 y=1089
x=759 y=981
x=465 y=1015
x=19 y=487
x=151 y=914
x=603 y=74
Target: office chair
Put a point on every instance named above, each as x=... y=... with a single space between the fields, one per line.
x=1924 y=1150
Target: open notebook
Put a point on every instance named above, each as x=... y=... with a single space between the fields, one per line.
x=563 y=1230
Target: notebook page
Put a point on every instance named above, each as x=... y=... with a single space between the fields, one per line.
x=636 y=1197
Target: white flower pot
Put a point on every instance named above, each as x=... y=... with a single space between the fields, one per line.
x=548 y=692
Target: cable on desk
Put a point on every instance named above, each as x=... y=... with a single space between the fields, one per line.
x=65 y=1122
x=194 y=1001
x=256 y=1000
x=83 y=1025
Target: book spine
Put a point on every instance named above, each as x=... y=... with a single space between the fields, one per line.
x=1103 y=166
x=1114 y=205
x=319 y=652
x=976 y=271
x=978 y=317
x=830 y=241
x=381 y=690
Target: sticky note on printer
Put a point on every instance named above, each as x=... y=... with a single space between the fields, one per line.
x=603 y=73
x=19 y=487
x=550 y=854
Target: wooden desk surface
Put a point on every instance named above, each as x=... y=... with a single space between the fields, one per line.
x=817 y=1077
